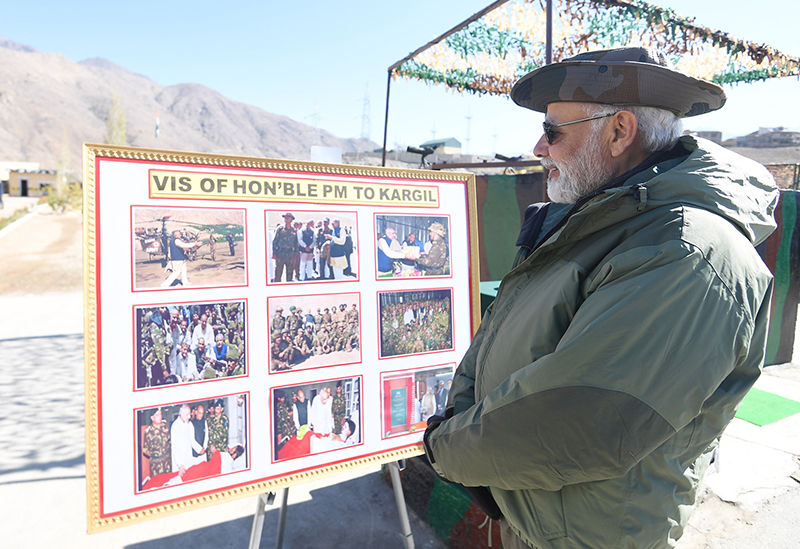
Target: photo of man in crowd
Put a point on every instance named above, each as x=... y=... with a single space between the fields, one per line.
x=409 y=398
x=176 y=247
x=187 y=342
x=412 y=322
x=412 y=246
x=316 y=417
x=311 y=246
x=188 y=441
x=314 y=331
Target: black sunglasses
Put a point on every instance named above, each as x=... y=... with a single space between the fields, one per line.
x=551 y=133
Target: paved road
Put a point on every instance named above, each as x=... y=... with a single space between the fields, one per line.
x=750 y=502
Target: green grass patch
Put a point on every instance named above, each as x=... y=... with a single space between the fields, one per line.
x=762 y=408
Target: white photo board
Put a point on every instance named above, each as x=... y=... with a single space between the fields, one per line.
x=252 y=323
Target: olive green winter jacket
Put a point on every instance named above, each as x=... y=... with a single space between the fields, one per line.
x=614 y=356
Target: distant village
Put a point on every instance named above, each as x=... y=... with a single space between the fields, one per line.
x=777 y=148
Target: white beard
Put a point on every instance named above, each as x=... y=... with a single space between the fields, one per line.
x=582 y=174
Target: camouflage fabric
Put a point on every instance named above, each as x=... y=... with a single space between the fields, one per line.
x=158 y=447
x=338 y=409
x=218 y=432
x=284 y=245
x=286 y=426
x=619 y=76
x=161 y=344
x=278 y=323
x=292 y=324
x=352 y=315
x=436 y=261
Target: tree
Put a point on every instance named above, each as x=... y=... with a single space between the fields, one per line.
x=116 y=123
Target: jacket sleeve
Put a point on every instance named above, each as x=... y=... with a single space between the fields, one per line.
x=657 y=334
x=462 y=394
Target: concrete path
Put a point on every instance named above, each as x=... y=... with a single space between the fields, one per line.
x=750 y=501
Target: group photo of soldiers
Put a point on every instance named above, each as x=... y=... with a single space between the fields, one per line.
x=188 y=247
x=412 y=246
x=311 y=246
x=184 y=343
x=187 y=441
x=313 y=331
x=410 y=398
x=316 y=417
x=418 y=321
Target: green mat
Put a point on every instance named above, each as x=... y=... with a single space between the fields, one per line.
x=761 y=408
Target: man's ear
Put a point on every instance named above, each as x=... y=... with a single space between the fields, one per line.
x=625 y=128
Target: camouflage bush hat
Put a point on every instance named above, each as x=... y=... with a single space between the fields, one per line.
x=437 y=228
x=620 y=76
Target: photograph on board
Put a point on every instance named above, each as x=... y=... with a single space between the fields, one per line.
x=316 y=417
x=410 y=397
x=183 y=247
x=189 y=441
x=305 y=246
x=314 y=331
x=412 y=246
x=418 y=321
x=187 y=342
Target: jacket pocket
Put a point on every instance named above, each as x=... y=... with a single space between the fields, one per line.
x=547 y=508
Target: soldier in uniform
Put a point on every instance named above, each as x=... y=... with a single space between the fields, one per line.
x=301 y=348
x=293 y=321
x=437 y=261
x=338 y=409
x=231 y=243
x=283 y=417
x=212 y=245
x=156 y=328
x=340 y=315
x=352 y=337
x=217 y=429
x=318 y=320
x=157 y=445
x=324 y=250
x=278 y=321
x=279 y=360
x=326 y=317
x=284 y=248
x=352 y=315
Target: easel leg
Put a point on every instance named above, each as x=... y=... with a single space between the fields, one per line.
x=394 y=471
x=258 y=518
x=282 y=518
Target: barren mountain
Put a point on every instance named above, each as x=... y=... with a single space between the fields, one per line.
x=48 y=101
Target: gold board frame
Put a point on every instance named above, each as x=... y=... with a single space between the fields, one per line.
x=91 y=153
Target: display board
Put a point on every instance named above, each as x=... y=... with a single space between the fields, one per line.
x=252 y=323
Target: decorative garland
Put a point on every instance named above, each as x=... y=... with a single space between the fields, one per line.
x=491 y=53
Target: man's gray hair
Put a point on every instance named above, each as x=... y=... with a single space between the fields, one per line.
x=658 y=129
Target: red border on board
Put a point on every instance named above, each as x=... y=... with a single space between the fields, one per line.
x=297 y=176
x=432 y=277
x=272 y=423
x=407 y=371
x=193 y=287
x=452 y=322
x=223 y=169
x=252 y=482
x=137 y=334
x=248 y=420
x=269 y=334
x=328 y=213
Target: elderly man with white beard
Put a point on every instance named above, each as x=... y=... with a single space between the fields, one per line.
x=631 y=325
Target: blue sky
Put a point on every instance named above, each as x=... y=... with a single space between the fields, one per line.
x=315 y=61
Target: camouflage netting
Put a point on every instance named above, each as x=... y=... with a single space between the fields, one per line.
x=490 y=54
